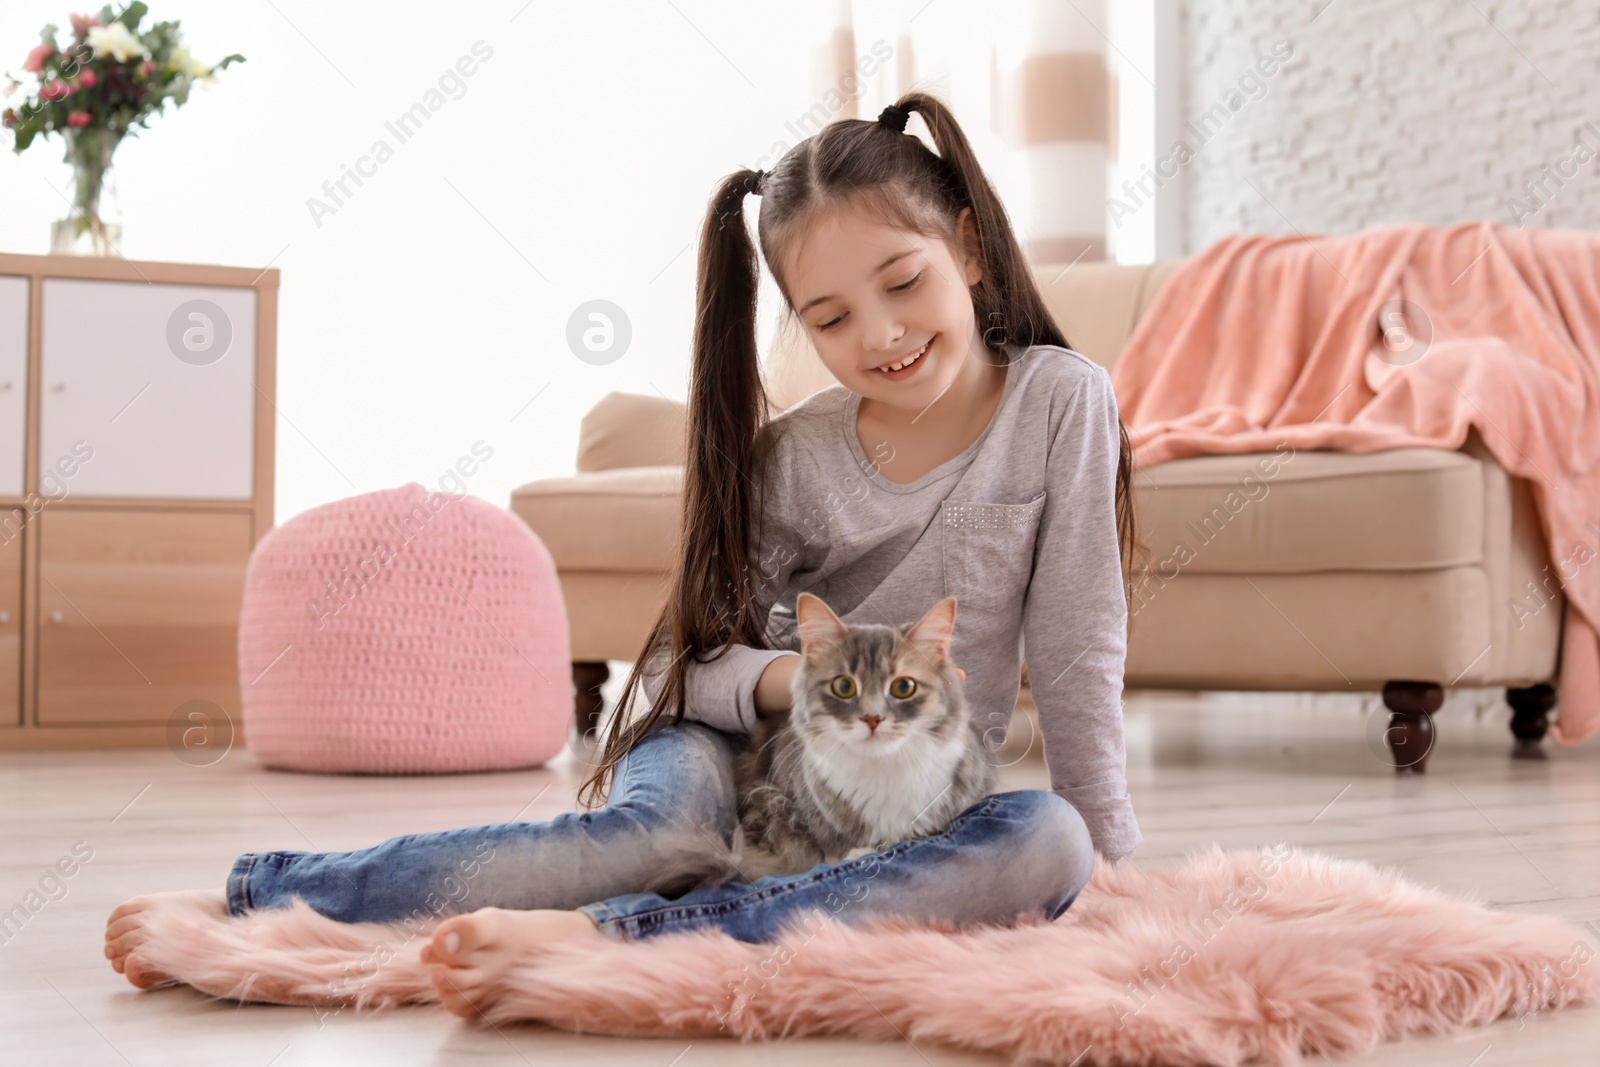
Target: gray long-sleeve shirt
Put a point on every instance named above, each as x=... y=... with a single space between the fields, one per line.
x=1020 y=528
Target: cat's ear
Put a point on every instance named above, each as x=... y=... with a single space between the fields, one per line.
x=816 y=621
x=933 y=629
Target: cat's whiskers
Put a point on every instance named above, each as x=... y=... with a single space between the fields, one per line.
x=891 y=791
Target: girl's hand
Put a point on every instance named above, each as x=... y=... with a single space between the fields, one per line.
x=962 y=673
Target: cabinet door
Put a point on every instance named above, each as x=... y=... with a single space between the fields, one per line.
x=147 y=391
x=13 y=383
x=139 y=613
x=10 y=617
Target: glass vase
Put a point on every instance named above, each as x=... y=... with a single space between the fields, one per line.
x=90 y=228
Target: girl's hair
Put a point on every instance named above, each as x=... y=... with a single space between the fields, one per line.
x=715 y=599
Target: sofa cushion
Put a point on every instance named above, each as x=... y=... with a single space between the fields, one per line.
x=1312 y=510
x=1096 y=305
x=613 y=520
x=632 y=430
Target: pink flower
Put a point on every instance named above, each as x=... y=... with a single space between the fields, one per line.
x=55 y=90
x=78 y=118
x=81 y=24
x=147 y=66
x=88 y=79
x=36 y=57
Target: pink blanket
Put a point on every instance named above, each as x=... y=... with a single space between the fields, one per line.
x=1264 y=340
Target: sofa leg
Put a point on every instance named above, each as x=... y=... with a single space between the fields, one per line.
x=1529 y=708
x=588 y=677
x=1410 y=734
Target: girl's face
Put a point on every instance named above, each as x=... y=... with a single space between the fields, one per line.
x=872 y=295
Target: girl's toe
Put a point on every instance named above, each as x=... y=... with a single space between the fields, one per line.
x=458 y=1003
x=117 y=927
x=141 y=976
x=122 y=946
x=127 y=907
x=452 y=993
x=455 y=939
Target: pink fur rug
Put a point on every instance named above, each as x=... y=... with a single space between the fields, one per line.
x=1227 y=958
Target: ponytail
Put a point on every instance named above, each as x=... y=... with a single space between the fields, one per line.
x=713 y=600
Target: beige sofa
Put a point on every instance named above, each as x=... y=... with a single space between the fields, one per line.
x=1396 y=571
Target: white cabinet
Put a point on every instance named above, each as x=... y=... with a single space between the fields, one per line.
x=13 y=383
x=147 y=391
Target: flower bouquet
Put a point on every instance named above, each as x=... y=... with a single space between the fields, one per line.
x=111 y=79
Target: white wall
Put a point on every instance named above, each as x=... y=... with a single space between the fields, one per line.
x=431 y=307
x=1428 y=111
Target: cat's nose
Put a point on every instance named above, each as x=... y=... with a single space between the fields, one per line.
x=872 y=721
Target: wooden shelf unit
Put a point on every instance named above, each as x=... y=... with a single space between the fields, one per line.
x=136 y=476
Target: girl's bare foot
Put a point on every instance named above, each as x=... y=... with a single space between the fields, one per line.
x=471 y=952
x=125 y=930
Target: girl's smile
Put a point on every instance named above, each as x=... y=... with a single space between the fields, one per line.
x=906 y=366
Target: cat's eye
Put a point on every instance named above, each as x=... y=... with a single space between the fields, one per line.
x=844 y=686
x=902 y=687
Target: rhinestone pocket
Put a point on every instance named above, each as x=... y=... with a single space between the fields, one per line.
x=988 y=552
x=970 y=516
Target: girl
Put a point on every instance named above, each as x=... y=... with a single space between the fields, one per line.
x=965 y=449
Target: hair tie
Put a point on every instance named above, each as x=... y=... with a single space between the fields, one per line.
x=895 y=117
x=752 y=183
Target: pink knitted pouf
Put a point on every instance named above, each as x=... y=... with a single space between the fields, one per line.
x=403 y=632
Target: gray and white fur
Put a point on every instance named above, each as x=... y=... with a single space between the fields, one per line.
x=879 y=746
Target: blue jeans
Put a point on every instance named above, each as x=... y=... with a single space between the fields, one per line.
x=657 y=860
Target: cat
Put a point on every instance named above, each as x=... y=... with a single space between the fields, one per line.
x=879 y=745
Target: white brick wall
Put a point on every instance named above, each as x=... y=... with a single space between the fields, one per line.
x=1394 y=111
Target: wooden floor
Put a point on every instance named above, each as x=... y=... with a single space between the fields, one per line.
x=1239 y=769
